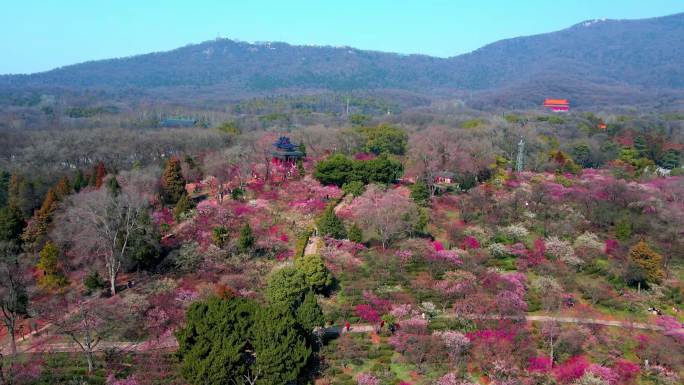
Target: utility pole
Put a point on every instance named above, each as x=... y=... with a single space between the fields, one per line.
x=521 y=154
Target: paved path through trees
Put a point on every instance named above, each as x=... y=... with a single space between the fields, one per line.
x=170 y=343
x=315 y=240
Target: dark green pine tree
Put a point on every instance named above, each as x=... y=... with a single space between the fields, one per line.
x=246 y=240
x=420 y=193
x=214 y=346
x=144 y=245
x=21 y=194
x=355 y=234
x=670 y=159
x=330 y=225
x=113 y=186
x=301 y=172
x=286 y=287
x=183 y=206
x=282 y=353
x=4 y=187
x=79 y=181
x=11 y=224
x=641 y=146
x=309 y=314
x=92 y=179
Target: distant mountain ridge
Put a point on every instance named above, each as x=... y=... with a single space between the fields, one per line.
x=596 y=61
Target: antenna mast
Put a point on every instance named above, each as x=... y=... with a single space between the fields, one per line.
x=521 y=154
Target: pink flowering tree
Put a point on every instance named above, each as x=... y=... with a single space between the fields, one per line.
x=452 y=379
x=416 y=344
x=626 y=371
x=470 y=242
x=539 y=363
x=389 y=215
x=367 y=313
x=131 y=380
x=672 y=327
x=367 y=379
x=571 y=370
x=457 y=344
x=606 y=374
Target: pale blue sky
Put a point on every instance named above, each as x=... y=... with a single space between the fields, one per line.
x=40 y=35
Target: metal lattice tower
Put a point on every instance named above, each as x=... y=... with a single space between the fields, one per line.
x=521 y=154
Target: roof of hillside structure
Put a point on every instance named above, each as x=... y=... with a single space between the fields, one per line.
x=445 y=174
x=560 y=102
x=177 y=122
x=284 y=144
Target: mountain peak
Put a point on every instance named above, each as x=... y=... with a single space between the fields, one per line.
x=589 y=23
x=618 y=61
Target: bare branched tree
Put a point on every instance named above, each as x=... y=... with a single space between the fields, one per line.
x=99 y=224
x=13 y=290
x=86 y=322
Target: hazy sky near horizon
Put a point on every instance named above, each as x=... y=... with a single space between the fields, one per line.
x=41 y=35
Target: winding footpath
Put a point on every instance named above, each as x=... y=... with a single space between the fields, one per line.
x=170 y=343
x=315 y=240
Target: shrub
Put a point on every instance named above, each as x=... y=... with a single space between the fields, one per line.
x=354 y=188
x=477 y=232
x=367 y=379
x=237 y=194
x=515 y=232
x=93 y=281
x=246 y=239
x=588 y=241
x=355 y=234
x=590 y=379
x=452 y=379
x=218 y=235
x=183 y=206
x=623 y=230
x=498 y=250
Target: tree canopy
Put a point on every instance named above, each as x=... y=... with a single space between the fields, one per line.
x=330 y=225
x=236 y=341
x=339 y=170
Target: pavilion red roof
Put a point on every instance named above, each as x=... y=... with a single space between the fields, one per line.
x=556 y=102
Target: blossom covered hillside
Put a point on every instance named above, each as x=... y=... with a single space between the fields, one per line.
x=394 y=261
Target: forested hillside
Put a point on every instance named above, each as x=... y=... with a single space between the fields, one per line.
x=595 y=62
x=269 y=214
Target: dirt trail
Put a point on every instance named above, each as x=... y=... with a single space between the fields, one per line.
x=170 y=342
x=314 y=241
x=312 y=246
x=574 y=320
